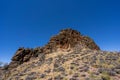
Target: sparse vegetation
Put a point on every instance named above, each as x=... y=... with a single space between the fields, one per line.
x=62 y=59
x=105 y=76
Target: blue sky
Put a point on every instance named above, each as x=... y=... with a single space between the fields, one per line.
x=31 y=23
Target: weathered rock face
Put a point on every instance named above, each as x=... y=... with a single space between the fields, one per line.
x=67 y=38
x=23 y=55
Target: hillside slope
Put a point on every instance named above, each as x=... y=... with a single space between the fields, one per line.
x=67 y=56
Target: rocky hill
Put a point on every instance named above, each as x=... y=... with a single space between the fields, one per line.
x=67 y=56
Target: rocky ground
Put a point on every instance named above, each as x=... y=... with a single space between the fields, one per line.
x=82 y=60
x=84 y=64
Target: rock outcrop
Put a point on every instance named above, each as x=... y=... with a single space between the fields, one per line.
x=67 y=56
x=67 y=38
x=23 y=55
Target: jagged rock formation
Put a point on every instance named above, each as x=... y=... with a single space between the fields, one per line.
x=67 y=56
x=67 y=38
x=23 y=55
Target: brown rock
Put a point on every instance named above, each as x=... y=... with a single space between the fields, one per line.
x=69 y=38
x=22 y=55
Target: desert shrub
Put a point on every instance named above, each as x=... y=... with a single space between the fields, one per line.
x=70 y=72
x=105 y=76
